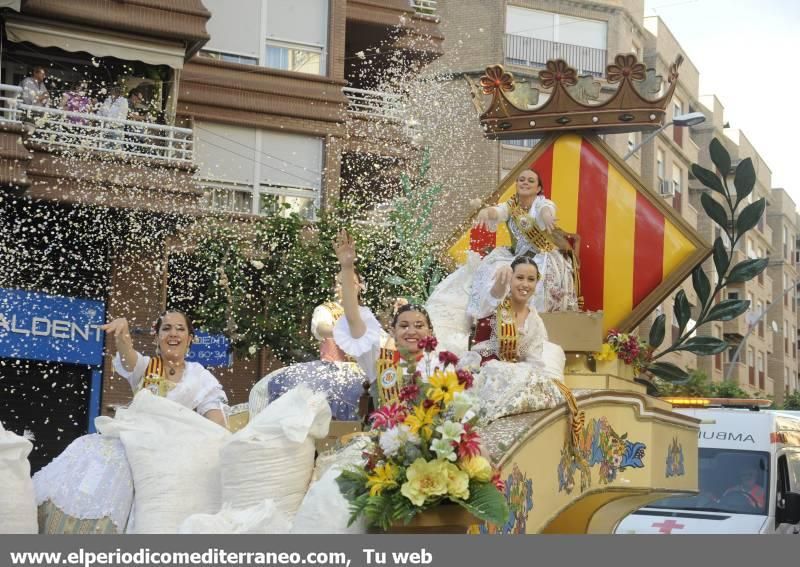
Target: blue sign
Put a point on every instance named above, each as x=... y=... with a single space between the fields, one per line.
x=211 y=350
x=35 y=326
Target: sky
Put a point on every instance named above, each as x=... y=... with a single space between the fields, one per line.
x=748 y=54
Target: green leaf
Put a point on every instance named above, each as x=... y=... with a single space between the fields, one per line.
x=657 y=331
x=721 y=258
x=750 y=216
x=682 y=310
x=714 y=210
x=704 y=345
x=708 y=178
x=668 y=371
x=485 y=502
x=720 y=156
x=747 y=270
x=396 y=280
x=744 y=179
x=727 y=309
x=702 y=287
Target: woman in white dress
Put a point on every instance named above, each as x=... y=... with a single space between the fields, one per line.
x=510 y=338
x=358 y=334
x=88 y=488
x=531 y=220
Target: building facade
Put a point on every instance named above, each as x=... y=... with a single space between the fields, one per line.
x=240 y=112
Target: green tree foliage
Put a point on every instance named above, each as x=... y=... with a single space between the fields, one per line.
x=262 y=281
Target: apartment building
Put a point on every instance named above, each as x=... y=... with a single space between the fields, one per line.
x=781 y=313
x=251 y=107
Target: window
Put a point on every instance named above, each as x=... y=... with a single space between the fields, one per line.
x=663 y=187
x=751 y=369
x=786 y=245
x=229 y=57
x=557 y=28
x=760 y=370
x=281 y=34
x=761 y=321
x=677 y=110
x=786 y=336
x=733 y=295
x=677 y=186
x=255 y=171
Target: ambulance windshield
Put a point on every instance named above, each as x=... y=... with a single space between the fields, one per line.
x=729 y=481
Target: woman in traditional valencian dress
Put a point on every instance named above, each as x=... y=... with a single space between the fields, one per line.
x=531 y=221
x=358 y=334
x=88 y=488
x=510 y=338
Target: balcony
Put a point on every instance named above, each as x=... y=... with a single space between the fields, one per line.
x=533 y=52
x=89 y=155
x=377 y=122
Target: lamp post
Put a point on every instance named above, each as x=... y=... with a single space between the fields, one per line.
x=691 y=119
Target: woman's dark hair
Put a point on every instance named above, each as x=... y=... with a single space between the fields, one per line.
x=160 y=320
x=411 y=307
x=526 y=259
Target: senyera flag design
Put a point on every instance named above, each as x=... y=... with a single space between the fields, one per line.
x=635 y=249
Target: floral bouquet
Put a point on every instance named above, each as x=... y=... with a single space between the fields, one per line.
x=628 y=348
x=425 y=452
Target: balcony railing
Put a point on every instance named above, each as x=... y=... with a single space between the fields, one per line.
x=533 y=52
x=374 y=104
x=54 y=129
x=426 y=7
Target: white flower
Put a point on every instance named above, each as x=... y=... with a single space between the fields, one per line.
x=257 y=264
x=450 y=431
x=252 y=349
x=463 y=404
x=393 y=439
x=361 y=55
x=444 y=449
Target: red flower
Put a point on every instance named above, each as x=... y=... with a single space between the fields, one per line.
x=498 y=482
x=371 y=460
x=464 y=378
x=470 y=443
x=428 y=344
x=409 y=393
x=388 y=416
x=427 y=404
x=446 y=357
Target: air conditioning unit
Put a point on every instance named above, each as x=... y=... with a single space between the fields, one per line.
x=665 y=188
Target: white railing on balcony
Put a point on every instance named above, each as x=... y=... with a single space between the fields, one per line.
x=60 y=130
x=374 y=104
x=533 y=52
x=426 y=7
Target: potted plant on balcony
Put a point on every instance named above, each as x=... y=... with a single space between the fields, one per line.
x=424 y=470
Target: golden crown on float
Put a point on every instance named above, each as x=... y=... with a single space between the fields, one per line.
x=568 y=107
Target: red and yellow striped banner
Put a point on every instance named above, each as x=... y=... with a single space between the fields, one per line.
x=632 y=244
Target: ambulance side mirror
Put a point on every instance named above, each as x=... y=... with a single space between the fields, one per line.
x=790 y=511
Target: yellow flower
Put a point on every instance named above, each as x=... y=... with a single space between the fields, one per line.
x=457 y=481
x=478 y=468
x=425 y=479
x=443 y=386
x=383 y=478
x=421 y=421
x=606 y=353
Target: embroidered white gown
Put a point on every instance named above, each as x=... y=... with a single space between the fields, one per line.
x=91 y=478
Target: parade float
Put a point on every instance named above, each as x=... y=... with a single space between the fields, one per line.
x=584 y=465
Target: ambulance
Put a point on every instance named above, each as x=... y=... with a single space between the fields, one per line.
x=749 y=477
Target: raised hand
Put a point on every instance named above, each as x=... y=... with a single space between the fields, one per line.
x=502 y=281
x=484 y=217
x=345 y=249
x=117 y=328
